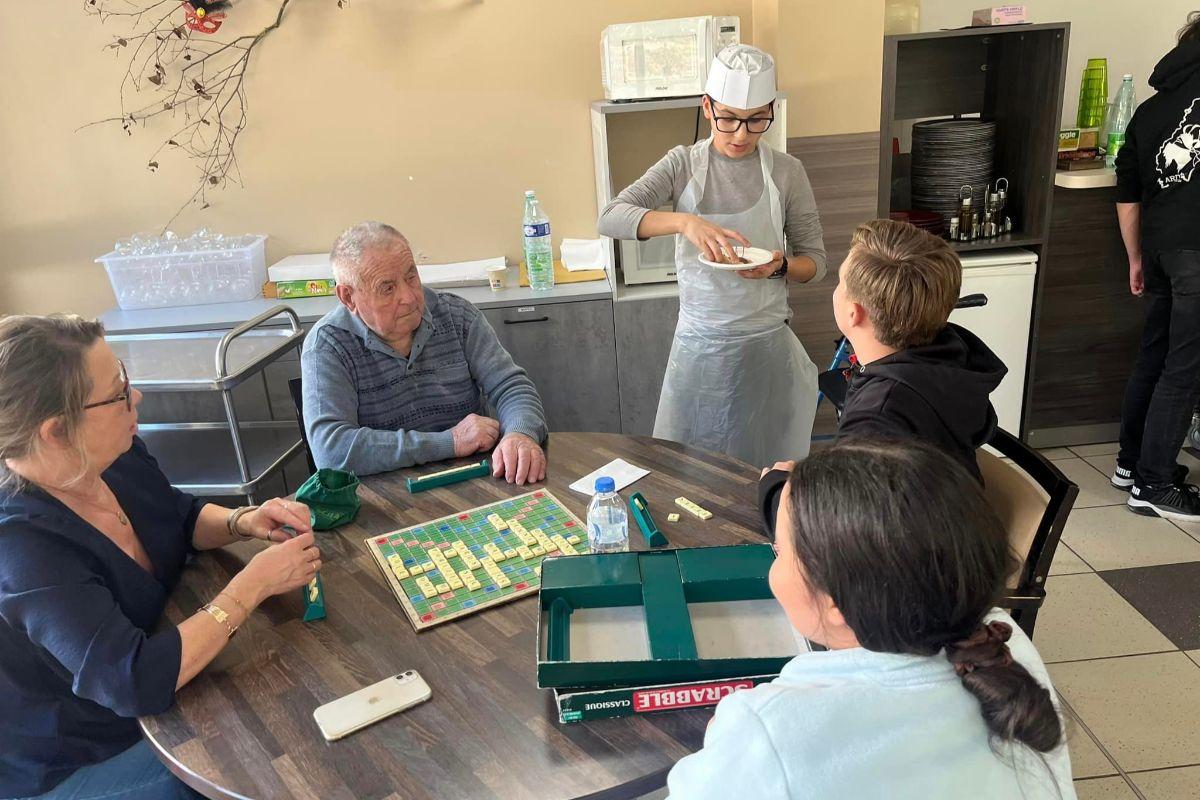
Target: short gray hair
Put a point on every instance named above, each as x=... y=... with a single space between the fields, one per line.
x=347 y=252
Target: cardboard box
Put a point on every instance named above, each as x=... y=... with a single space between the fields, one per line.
x=579 y=705
x=287 y=290
x=661 y=617
x=1068 y=140
x=1000 y=15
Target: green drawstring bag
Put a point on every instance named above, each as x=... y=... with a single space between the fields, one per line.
x=332 y=497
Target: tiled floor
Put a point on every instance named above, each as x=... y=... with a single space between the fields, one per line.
x=1120 y=632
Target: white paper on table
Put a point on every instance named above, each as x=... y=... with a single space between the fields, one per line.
x=461 y=273
x=582 y=254
x=621 y=471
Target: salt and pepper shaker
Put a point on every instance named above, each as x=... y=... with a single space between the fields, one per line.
x=970 y=223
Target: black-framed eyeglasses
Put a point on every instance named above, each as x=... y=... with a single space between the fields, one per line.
x=731 y=124
x=126 y=395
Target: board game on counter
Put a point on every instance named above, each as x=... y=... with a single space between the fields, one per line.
x=466 y=562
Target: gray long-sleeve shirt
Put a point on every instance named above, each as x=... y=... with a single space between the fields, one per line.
x=733 y=186
x=369 y=409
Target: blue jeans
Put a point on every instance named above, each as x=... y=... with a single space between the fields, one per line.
x=135 y=774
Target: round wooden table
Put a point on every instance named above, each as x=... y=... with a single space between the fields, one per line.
x=244 y=726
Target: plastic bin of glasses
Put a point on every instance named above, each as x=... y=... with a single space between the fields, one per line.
x=187 y=278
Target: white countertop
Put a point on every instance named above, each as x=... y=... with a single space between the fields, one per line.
x=1086 y=178
x=218 y=316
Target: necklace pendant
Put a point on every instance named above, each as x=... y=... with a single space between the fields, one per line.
x=121 y=518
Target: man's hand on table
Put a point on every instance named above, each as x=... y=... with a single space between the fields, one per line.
x=519 y=459
x=474 y=434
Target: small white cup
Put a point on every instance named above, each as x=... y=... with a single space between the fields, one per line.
x=497 y=277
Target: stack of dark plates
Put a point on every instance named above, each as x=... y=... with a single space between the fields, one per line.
x=948 y=154
x=925 y=220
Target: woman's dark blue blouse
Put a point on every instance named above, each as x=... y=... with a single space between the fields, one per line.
x=79 y=656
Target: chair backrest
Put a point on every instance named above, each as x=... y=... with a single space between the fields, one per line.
x=295 y=386
x=1033 y=499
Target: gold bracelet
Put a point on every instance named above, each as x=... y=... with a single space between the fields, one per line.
x=218 y=613
x=232 y=520
x=236 y=602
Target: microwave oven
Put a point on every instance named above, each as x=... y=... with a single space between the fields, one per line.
x=662 y=58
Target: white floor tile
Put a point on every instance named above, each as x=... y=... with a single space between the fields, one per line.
x=1094 y=488
x=1085 y=450
x=1066 y=562
x=1116 y=538
x=1079 y=619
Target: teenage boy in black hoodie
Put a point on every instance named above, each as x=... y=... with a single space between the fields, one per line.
x=1158 y=205
x=917 y=375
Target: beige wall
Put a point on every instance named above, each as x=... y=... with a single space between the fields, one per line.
x=830 y=62
x=431 y=114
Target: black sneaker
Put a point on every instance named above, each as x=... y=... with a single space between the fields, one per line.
x=1124 y=476
x=1180 y=501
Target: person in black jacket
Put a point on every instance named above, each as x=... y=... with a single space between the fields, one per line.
x=917 y=375
x=1158 y=205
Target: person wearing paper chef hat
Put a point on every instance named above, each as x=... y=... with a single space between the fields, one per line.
x=738 y=381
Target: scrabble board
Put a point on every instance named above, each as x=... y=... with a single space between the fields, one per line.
x=476 y=559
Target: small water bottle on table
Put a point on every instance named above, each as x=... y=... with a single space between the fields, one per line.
x=608 y=521
x=539 y=253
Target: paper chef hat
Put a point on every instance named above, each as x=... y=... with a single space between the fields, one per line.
x=742 y=77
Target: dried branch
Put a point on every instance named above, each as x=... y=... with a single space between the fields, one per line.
x=184 y=74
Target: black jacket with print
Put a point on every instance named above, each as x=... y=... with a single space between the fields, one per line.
x=1159 y=166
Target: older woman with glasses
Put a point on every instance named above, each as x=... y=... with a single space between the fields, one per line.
x=92 y=541
x=738 y=380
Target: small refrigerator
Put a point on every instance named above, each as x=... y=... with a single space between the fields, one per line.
x=1004 y=324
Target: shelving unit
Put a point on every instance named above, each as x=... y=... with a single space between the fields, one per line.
x=230 y=458
x=1014 y=75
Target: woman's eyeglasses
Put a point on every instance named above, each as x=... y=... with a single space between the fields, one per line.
x=126 y=395
x=731 y=124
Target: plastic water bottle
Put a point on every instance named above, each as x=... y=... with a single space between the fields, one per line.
x=539 y=253
x=608 y=521
x=1123 y=109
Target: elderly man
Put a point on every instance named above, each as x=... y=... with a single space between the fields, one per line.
x=398 y=374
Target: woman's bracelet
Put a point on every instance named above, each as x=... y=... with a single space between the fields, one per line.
x=236 y=602
x=232 y=521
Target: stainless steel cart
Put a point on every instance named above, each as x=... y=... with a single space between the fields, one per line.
x=197 y=456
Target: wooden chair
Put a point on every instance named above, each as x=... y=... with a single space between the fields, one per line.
x=296 y=388
x=1033 y=499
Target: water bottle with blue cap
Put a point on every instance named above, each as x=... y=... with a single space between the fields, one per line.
x=608 y=521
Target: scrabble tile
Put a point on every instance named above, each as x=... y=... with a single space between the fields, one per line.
x=465 y=576
x=510 y=553
x=455 y=584
x=502 y=581
x=537 y=550
x=573 y=539
x=672 y=518
x=442 y=588
x=524 y=552
x=537 y=570
x=692 y=508
x=400 y=572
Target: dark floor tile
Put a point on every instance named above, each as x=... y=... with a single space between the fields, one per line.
x=1167 y=595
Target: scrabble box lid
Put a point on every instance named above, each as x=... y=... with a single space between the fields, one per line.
x=628 y=619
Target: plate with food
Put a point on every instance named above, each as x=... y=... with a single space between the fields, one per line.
x=740 y=258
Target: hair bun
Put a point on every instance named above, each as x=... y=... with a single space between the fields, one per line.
x=986 y=647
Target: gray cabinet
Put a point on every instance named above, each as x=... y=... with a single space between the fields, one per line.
x=645 y=329
x=567 y=349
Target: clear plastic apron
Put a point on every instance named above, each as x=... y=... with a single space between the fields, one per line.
x=738 y=380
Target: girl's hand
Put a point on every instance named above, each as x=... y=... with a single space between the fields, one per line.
x=712 y=240
x=267 y=521
x=282 y=568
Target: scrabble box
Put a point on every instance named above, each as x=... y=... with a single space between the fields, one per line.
x=655 y=618
x=577 y=705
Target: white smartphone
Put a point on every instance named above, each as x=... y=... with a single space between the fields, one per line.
x=367 y=706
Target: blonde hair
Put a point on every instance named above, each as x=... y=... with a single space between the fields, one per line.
x=43 y=374
x=908 y=280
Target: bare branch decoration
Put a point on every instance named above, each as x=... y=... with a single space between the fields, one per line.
x=179 y=72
